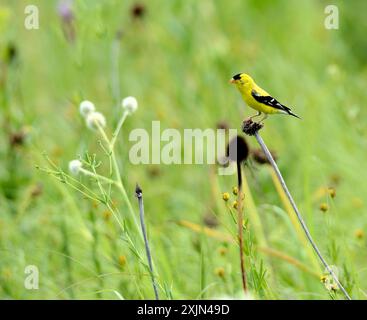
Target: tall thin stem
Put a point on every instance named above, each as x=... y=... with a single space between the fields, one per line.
x=139 y=195
x=118 y=128
x=300 y=219
x=120 y=185
x=240 y=226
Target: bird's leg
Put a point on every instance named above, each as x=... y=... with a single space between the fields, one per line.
x=256 y=115
x=264 y=117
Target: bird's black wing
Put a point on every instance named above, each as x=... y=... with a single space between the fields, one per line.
x=272 y=102
x=269 y=101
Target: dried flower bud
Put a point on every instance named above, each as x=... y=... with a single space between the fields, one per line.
x=222 y=125
x=138 y=11
x=210 y=220
x=75 y=166
x=11 y=53
x=95 y=120
x=36 y=190
x=17 y=138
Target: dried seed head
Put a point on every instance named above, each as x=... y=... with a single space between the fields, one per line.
x=130 y=104
x=222 y=125
x=138 y=11
x=86 y=107
x=154 y=171
x=17 y=138
x=225 y=196
x=251 y=128
x=11 y=53
x=95 y=120
x=237 y=149
x=138 y=191
x=36 y=190
x=210 y=220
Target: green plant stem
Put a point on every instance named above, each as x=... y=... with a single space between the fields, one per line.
x=240 y=226
x=117 y=172
x=118 y=128
x=139 y=195
x=97 y=176
x=300 y=219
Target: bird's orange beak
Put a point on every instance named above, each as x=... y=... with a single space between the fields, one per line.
x=232 y=81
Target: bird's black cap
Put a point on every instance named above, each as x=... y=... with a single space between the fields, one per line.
x=237 y=76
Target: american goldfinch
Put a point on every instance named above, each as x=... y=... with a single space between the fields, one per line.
x=257 y=98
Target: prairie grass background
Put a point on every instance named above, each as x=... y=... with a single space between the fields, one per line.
x=177 y=59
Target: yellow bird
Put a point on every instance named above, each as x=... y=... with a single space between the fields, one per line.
x=257 y=98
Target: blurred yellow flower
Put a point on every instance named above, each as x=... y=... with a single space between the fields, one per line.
x=324 y=207
x=225 y=196
x=235 y=190
x=235 y=204
x=122 y=260
x=359 y=233
x=219 y=272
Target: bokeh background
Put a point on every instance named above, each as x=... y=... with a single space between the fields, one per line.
x=176 y=58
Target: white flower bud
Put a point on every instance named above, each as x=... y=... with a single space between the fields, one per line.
x=130 y=104
x=95 y=119
x=86 y=107
x=75 y=166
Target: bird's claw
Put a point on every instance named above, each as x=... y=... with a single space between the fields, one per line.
x=250 y=128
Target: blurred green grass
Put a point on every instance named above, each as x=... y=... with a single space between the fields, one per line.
x=177 y=60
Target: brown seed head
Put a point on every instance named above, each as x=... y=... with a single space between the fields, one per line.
x=138 y=11
x=237 y=149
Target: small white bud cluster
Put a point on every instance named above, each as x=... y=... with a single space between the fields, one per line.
x=93 y=118
x=86 y=107
x=75 y=166
x=130 y=104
